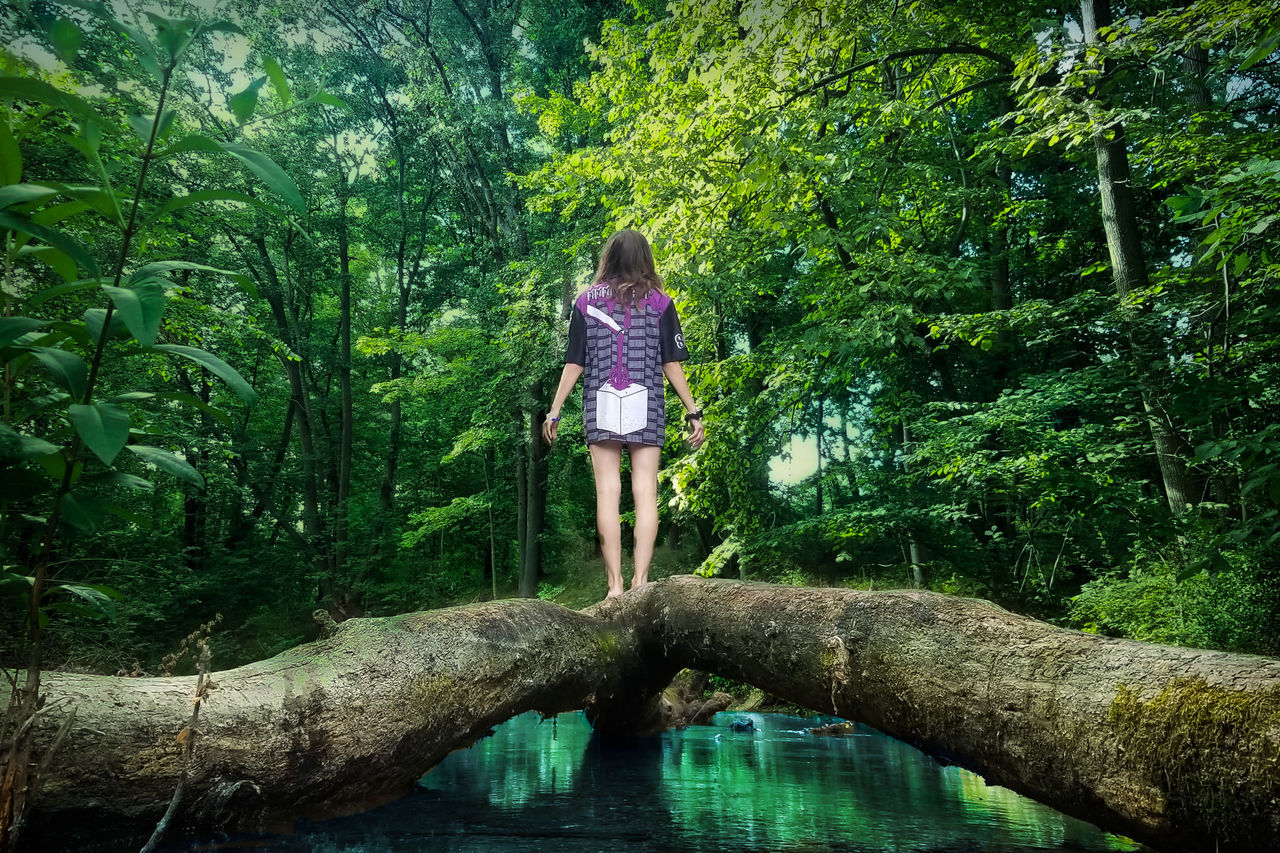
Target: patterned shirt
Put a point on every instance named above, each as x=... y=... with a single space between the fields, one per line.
x=622 y=349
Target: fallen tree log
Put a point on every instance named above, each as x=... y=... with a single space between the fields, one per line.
x=1179 y=748
x=1175 y=747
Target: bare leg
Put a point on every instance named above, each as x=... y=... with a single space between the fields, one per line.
x=606 y=463
x=644 y=488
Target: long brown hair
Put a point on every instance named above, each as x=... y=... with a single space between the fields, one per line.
x=626 y=263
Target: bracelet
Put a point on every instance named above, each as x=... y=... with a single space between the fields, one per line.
x=554 y=420
x=693 y=416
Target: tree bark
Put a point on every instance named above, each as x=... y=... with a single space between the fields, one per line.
x=535 y=497
x=195 y=500
x=818 y=439
x=1174 y=747
x=344 y=377
x=915 y=553
x=285 y=316
x=1129 y=274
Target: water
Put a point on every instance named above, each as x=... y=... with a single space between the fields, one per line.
x=553 y=786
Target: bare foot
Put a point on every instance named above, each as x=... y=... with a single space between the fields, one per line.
x=636 y=584
x=614 y=593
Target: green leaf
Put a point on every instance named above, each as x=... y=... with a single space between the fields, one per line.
x=57 y=260
x=81 y=513
x=196 y=403
x=191 y=142
x=12 y=328
x=243 y=103
x=63 y=330
x=255 y=161
x=14 y=221
x=1209 y=450
x=28 y=89
x=87 y=599
x=178 y=396
x=276 y=179
x=173 y=35
x=37 y=448
x=201 y=196
x=219 y=26
x=145 y=53
x=10 y=154
x=67 y=368
x=13 y=584
x=23 y=193
x=94 y=319
x=1264 y=49
x=38 y=404
x=61 y=290
x=141 y=307
x=91 y=135
x=278 y=82
x=141 y=125
x=86 y=197
x=328 y=100
x=65 y=37
x=166 y=461
x=131 y=517
x=153 y=269
x=119 y=479
x=216 y=366
x=108 y=591
x=103 y=427
x=1190 y=571
x=166 y=124
x=22 y=447
x=56 y=465
x=1263 y=224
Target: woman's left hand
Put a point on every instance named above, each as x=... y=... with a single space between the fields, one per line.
x=696 y=433
x=549 y=429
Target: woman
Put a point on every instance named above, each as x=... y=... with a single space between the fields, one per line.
x=624 y=334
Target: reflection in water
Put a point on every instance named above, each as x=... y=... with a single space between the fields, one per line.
x=554 y=785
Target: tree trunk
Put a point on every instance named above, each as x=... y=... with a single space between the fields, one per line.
x=387 y=495
x=493 y=544
x=535 y=496
x=1195 y=65
x=1001 y=289
x=1174 y=747
x=195 y=500
x=1129 y=274
x=344 y=377
x=405 y=279
x=285 y=317
x=818 y=439
x=915 y=553
x=522 y=497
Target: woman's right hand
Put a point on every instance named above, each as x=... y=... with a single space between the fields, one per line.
x=549 y=429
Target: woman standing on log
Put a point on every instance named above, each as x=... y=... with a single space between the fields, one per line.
x=624 y=334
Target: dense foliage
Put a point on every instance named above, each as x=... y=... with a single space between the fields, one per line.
x=313 y=266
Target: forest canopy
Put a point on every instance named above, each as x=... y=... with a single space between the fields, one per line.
x=980 y=302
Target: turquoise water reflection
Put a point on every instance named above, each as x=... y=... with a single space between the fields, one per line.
x=554 y=786
x=707 y=788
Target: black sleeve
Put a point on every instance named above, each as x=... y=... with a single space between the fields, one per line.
x=576 y=352
x=670 y=337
